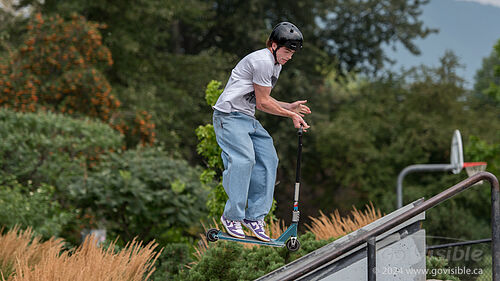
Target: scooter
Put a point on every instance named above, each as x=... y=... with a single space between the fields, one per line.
x=289 y=237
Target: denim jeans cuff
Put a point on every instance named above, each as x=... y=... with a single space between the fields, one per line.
x=255 y=219
x=231 y=219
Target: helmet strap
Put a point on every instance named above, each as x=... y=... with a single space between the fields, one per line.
x=274 y=54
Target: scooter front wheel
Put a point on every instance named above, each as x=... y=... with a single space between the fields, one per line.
x=293 y=244
x=212 y=235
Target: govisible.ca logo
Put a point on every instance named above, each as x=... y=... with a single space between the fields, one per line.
x=395 y=271
x=458 y=254
x=462 y=257
x=464 y=253
x=459 y=270
x=446 y=249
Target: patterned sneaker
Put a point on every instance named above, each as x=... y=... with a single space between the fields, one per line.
x=257 y=227
x=233 y=227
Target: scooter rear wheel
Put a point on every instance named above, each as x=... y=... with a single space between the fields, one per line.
x=212 y=235
x=293 y=244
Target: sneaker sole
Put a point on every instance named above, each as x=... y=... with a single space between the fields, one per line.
x=232 y=234
x=256 y=235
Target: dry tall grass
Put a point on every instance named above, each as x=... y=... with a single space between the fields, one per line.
x=326 y=227
x=23 y=247
x=26 y=259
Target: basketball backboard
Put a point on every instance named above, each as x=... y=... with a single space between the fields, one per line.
x=457 y=153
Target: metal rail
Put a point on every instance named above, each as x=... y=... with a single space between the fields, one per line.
x=437 y=199
x=457 y=244
x=416 y=169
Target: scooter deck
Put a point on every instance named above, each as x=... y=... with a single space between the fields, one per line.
x=250 y=239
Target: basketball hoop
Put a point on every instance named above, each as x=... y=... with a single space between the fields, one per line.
x=473 y=168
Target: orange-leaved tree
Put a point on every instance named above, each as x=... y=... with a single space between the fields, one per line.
x=59 y=67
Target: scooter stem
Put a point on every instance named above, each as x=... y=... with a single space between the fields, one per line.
x=296 y=214
x=299 y=158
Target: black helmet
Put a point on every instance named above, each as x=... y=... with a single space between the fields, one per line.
x=288 y=35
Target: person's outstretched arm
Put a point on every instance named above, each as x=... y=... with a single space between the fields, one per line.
x=266 y=103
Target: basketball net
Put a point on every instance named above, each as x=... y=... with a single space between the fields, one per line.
x=473 y=168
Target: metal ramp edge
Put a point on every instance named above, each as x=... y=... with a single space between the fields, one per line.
x=391 y=236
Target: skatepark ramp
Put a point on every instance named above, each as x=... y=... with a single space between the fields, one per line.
x=391 y=248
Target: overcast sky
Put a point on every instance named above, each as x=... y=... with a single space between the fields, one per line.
x=470 y=28
x=485 y=2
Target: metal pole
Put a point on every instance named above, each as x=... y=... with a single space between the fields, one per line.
x=415 y=169
x=495 y=229
x=372 y=259
x=466 y=243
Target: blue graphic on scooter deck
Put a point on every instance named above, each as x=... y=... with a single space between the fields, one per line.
x=291 y=232
x=250 y=239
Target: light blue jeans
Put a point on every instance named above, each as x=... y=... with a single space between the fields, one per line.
x=250 y=164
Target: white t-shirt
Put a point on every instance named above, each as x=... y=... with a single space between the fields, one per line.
x=239 y=95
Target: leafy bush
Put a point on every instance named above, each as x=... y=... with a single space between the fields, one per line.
x=51 y=148
x=143 y=192
x=233 y=261
x=480 y=150
x=35 y=209
x=438 y=264
x=210 y=150
x=173 y=260
x=45 y=152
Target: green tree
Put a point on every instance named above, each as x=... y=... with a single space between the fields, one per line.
x=150 y=72
x=479 y=150
x=487 y=77
x=10 y=28
x=349 y=33
x=491 y=73
x=166 y=52
x=389 y=124
x=59 y=67
x=486 y=74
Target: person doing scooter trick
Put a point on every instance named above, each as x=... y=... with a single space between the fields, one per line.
x=248 y=153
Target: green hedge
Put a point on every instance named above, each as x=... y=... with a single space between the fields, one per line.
x=143 y=192
x=36 y=209
x=231 y=261
x=51 y=148
x=61 y=175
